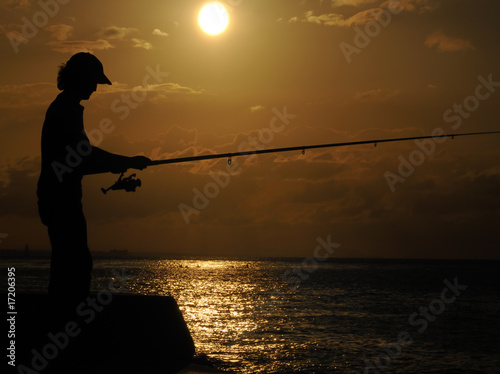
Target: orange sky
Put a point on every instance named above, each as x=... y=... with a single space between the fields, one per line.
x=284 y=73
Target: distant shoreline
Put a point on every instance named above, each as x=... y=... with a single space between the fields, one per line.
x=125 y=254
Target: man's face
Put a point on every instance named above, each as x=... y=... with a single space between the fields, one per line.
x=87 y=90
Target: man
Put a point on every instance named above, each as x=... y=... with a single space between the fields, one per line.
x=66 y=157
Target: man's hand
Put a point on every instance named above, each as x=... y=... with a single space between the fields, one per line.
x=139 y=162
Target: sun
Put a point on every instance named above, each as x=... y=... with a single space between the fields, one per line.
x=213 y=18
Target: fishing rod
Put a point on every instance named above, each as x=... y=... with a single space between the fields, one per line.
x=130 y=184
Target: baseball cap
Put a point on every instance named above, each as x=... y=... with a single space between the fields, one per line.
x=89 y=66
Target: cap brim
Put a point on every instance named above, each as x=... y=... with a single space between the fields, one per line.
x=104 y=80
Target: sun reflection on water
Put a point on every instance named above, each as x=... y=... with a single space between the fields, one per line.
x=243 y=315
x=219 y=300
x=246 y=318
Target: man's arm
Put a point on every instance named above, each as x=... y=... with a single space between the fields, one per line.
x=101 y=161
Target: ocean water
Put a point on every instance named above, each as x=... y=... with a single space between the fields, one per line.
x=337 y=316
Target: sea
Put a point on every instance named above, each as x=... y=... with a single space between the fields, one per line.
x=293 y=315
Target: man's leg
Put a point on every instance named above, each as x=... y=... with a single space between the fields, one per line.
x=71 y=262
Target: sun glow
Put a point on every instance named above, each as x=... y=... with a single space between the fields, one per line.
x=213 y=18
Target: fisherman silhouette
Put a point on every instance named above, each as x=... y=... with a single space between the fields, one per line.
x=67 y=156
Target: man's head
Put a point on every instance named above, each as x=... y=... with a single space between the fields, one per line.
x=81 y=74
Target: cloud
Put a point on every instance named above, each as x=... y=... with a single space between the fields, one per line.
x=114 y=32
x=124 y=34
x=335 y=19
x=376 y=95
x=156 y=94
x=24 y=95
x=140 y=43
x=330 y=19
x=445 y=43
x=257 y=108
x=15 y=36
x=354 y=3
x=418 y=6
x=158 y=32
x=364 y=16
x=171 y=88
x=17 y=183
x=163 y=88
x=169 y=92
x=13 y=4
x=74 y=46
x=476 y=189
x=176 y=142
x=60 y=32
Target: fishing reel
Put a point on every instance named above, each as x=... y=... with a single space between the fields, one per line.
x=128 y=184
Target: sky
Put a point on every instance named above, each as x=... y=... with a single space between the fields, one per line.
x=284 y=73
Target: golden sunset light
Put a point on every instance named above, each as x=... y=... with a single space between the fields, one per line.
x=250 y=186
x=290 y=73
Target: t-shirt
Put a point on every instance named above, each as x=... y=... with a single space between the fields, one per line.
x=64 y=149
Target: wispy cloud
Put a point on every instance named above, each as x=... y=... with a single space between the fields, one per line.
x=114 y=32
x=161 y=90
x=329 y=19
x=335 y=19
x=12 y=4
x=60 y=32
x=257 y=108
x=108 y=38
x=158 y=32
x=364 y=16
x=24 y=95
x=128 y=35
x=74 y=46
x=444 y=43
x=173 y=88
x=140 y=43
x=376 y=95
x=16 y=182
x=418 y=6
x=354 y=3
